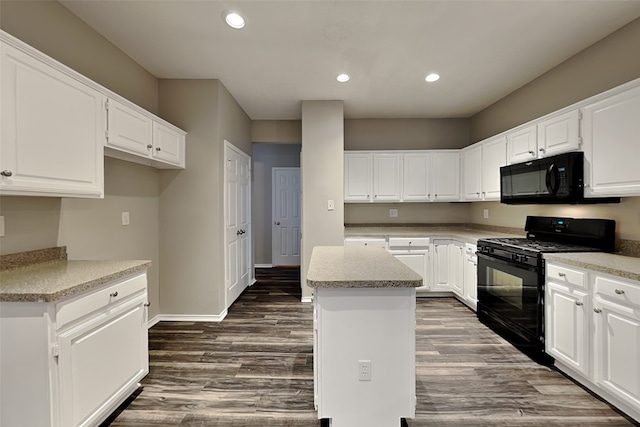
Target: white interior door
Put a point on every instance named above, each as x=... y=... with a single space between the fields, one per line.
x=286 y=216
x=237 y=222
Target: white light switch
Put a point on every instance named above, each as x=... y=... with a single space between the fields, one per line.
x=125 y=218
x=1 y=226
x=330 y=205
x=485 y=213
x=393 y=213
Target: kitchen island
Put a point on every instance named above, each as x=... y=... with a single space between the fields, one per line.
x=364 y=336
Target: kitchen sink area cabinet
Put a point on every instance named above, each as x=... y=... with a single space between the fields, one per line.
x=72 y=361
x=52 y=127
x=610 y=131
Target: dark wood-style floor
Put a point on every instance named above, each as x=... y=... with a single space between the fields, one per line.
x=255 y=369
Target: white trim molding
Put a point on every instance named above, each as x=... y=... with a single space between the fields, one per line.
x=263 y=266
x=307 y=299
x=188 y=318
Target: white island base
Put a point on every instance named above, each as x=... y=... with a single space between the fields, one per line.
x=364 y=336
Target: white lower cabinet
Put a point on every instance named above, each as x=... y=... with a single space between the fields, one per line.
x=593 y=332
x=73 y=362
x=440 y=251
x=470 y=277
x=414 y=253
x=456 y=267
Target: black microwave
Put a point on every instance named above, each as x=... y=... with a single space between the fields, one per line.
x=551 y=180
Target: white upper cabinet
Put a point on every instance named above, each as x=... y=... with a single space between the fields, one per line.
x=417 y=171
x=611 y=141
x=445 y=176
x=53 y=129
x=494 y=156
x=522 y=145
x=357 y=177
x=559 y=134
x=471 y=159
x=387 y=177
x=136 y=137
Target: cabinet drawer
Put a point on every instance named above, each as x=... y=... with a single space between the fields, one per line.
x=364 y=241
x=80 y=306
x=408 y=241
x=616 y=290
x=566 y=276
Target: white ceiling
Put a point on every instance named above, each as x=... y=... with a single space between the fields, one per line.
x=292 y=50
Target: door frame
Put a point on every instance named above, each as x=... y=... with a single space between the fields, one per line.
x=273 y=208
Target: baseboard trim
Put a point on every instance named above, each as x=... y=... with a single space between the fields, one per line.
x=263 y=265
x=253 y=282
x=307 y=299
x=190 y=317
x=153 y=321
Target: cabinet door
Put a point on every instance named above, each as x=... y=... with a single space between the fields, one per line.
x=610 y=132
x=559 y=134
x=567 y=326
x=52 y=130
x=440 y=266
x=417 y=169
x=470 y=277
x=494 y=155
x=617 y=350
x=168 y=145
x=445 y=176
x=101 y=362
x=357 y=177
x=472 y=173
x=522 y=145
x=386 y=178
x=417 y=262
x=456 y=267
x=128 y=130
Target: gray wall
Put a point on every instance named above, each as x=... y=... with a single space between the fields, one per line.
x=266 y=157
x=90 y=228
x=608 y=63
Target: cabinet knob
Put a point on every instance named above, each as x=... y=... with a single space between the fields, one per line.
x=113 y=294
x=542 y=150
x=532 y=152
x=238 y=233
x=597 y=310
x=6 y=173
x=478 y=194
x=149 y=146
x=158 y=148
x=579 y=303
x=619 y=291
x=562 y=275
x=277 y=222
x=147 y=304
x=435 y=196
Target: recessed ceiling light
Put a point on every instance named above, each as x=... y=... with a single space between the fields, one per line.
x=234 y=20
x=432 y=77
x=343 y=78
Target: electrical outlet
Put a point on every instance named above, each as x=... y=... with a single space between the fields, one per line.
x=393 y=213
x=485 y=214
x=364 y=370
x=125 y=218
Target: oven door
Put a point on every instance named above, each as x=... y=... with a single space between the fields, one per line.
x=510 y=300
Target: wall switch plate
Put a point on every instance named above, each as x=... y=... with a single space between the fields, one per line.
x=364 y=370
x=1 y=226
x=393 y=213
x=125 y=218
x=330 y=205
x=485 y=214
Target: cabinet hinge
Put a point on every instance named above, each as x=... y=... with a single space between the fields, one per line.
x=579 y=115
x=106 y=105
x=106 y=134
x=55 y=350
x=579 y=141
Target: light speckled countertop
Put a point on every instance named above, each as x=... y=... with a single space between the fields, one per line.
x=466 y=235
x=358 y=267
x=616 y=265
x=55 y=280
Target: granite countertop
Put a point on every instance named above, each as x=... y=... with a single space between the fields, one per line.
x=358 y=267
x=466 y=235
x=616 y=265
x=55 y=280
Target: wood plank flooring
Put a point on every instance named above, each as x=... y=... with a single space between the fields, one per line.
x=255 y=368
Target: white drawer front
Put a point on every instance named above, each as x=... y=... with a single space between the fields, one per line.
x=626 y=293
x=408 y=241
x=82 y=305
x=566 y=276
x=356 y=241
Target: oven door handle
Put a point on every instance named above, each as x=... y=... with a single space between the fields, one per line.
x=507 y=263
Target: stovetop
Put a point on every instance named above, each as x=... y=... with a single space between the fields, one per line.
x=538 y=245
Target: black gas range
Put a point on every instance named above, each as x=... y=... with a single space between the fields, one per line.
x=511 y=275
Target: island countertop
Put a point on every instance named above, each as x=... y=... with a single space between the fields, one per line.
x=55 y=280
x=358 y=267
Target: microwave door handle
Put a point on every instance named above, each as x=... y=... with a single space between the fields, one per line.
x=552 y=179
